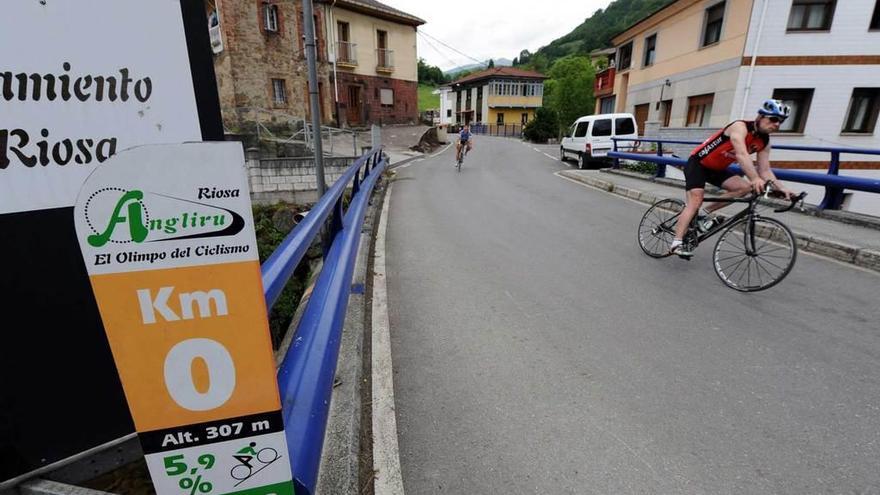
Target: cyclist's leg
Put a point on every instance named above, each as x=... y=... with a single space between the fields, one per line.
x=734 y=185
x=695 y=182
x=469 y=146
x=457 y=149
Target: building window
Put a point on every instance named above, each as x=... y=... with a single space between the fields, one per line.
x=799 y=100
x=665 y=111
x=606 y=105
x=811 y=15
x=279 y=95
x=499 y=119
x=863 y=109
x=625 y=56
x=714 y=20
x=699 y=110
x=650 y=50
x=449 y=113
x=386 y=97
x=270 y=17
x=875 y=19
x=525 y=119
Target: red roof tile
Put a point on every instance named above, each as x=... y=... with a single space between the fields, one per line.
x=500 y=72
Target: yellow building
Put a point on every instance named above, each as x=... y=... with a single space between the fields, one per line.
x=498 y=96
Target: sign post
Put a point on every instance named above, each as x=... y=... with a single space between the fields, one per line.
x=167 y=236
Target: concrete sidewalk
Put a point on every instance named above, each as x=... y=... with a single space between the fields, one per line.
x=845 y=237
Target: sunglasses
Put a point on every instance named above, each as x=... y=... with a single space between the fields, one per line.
x=776 y=120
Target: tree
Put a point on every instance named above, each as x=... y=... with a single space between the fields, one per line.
x=491 y=64
x=429 y=74
x=524 y=56
x=543 y=127
x=569 y=92
x=515 y=62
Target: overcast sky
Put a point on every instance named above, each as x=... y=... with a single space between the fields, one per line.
x=485 y=29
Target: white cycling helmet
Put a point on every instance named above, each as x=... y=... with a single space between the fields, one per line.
x=775 y=108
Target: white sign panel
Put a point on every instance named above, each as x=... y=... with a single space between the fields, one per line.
x=80 y=81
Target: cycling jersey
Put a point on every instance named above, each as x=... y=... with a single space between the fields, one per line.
x=717 y=152
x=464 y=136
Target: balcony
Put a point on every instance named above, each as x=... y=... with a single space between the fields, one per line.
x=384 y=60
x=604 y=84
x=216 y=39
x=346 y=54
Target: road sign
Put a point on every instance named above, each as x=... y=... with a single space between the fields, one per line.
x=77 y=84
x=167 y=236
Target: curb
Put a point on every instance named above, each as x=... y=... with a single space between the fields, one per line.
x=404 y=162
x=862 y=257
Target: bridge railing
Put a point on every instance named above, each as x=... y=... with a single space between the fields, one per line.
x=834 y=183
x=305 y=377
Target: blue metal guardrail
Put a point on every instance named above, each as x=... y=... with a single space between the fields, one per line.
x=305 y=378
x=833 y=182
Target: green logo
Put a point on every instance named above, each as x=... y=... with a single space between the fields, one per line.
x=134 y=217
x=130 y=212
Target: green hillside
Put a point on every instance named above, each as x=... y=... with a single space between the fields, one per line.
x=428 y=101
x=595 y=32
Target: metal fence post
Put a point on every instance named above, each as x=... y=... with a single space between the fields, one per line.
x=616 y=160
x=833 y=195
x=354 y=136
x=661 y=167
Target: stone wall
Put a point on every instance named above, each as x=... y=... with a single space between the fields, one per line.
x=291 y=179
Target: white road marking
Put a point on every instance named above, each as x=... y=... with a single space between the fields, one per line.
x=441 y=151
x=386 y=450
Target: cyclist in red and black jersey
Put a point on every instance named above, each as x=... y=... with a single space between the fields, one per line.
x=709 y=161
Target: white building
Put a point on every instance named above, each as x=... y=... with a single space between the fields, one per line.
x=823 y=59
x=447 y=104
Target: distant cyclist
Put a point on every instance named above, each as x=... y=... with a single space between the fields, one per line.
x=709 y=161
x=465 y=138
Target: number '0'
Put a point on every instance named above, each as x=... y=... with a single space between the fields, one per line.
x=179 y=379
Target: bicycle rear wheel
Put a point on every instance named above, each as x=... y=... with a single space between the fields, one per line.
x=657 y=228
x=754 y=254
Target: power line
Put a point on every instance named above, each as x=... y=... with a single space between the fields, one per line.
x=452 y=62
x=482 y=63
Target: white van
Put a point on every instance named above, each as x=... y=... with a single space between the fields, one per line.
x=589 y=138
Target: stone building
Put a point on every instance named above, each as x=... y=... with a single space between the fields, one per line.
x=366 y=54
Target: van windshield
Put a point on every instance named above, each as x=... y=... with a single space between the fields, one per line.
x=624 y=125
x=601 y=127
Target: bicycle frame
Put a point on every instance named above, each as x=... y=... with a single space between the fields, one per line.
x=748 y=212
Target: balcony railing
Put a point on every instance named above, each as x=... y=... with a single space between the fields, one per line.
x=384 y=60
x=346 y=53
x=604 y=82
x=216 y=39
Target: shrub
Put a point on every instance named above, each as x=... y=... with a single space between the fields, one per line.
x=544 y=126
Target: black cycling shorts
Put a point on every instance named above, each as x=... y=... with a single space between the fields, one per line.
x=696 y=175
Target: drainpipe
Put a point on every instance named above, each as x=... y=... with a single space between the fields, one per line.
x=332 y=30
x=748 y=90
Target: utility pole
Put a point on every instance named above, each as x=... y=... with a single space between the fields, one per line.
x=311 y=56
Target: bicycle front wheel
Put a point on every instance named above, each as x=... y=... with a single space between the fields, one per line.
x=754 y=254
x=657 y=228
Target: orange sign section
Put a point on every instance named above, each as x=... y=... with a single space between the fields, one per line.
x=177 y=338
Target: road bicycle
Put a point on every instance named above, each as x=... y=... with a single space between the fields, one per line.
x=753 y=253
x=462 y=152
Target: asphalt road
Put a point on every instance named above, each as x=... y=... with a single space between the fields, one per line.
x=537 y=350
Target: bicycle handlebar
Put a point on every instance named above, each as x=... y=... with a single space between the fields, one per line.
x=794 y=201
